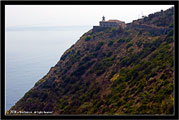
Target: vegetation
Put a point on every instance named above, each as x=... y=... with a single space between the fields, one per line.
x=87 y=38
x=129 y=45
x=99 y=45
x=112 y=71
x=111 y=43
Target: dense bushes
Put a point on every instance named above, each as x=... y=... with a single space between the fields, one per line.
x=129 y=45
x=139 y=76
x=139 y=43
x=110 y=42
x=122 y=40
x=101 y=66
x=81 y=69
x=88 y=38
x=99 y=45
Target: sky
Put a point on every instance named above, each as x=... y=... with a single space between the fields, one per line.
x=74 y=15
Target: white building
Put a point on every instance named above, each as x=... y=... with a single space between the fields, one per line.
x=112 y=23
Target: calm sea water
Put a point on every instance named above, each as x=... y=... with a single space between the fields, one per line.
x=29 y=55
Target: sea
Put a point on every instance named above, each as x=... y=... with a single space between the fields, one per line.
x=30 y=52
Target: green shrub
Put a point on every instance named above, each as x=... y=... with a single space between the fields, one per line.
x=110 y=42
x=88 y=38
x=99 y=45
x=120 y=41
x=128 y=40
x=140 y=32
x=81 y=69
x=139 y=43
x=109 y=54
x=170 y=33
x=171 y=25
x=170 y=39
x=101 y=66
x=112 y=74
x=164 y=76
x=113 y=29
x=99 y=72
x=129 y=45
x=131 y=50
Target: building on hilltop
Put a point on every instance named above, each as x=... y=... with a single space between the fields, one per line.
x=112 y=23
x=107 y=24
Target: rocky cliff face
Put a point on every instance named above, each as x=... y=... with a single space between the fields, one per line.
x=112 y=71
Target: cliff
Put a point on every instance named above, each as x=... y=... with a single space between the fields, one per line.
x=112 y=71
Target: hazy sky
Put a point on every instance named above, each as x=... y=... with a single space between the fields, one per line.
x=77 y=15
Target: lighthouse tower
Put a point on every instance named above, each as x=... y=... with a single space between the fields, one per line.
x=103 y=18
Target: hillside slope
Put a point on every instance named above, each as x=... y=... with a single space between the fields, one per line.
x=112 y=71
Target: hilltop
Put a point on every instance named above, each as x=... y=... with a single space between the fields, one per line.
x=112 y=71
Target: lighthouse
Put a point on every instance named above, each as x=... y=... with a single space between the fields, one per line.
x=103 y=18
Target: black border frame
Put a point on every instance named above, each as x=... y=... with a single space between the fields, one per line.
x=3 y=3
